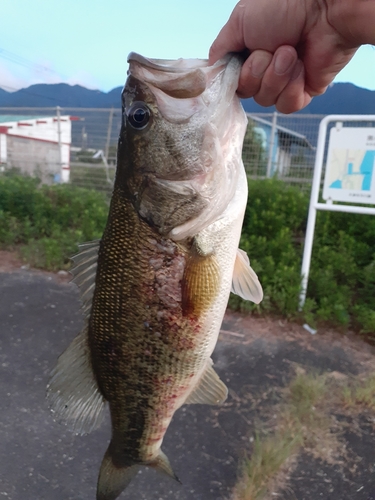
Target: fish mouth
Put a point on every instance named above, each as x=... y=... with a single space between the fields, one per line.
x=184 y=78
x=168 y=65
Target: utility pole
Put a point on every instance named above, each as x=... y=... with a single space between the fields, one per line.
x=272 y=144
x=58 y=116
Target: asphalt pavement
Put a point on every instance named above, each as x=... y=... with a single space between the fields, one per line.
x=41 y=459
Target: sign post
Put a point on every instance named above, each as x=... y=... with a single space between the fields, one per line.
x=349 y=176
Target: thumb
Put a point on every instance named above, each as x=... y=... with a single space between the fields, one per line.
x=322 y=65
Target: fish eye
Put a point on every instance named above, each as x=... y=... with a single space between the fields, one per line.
x=138 y=115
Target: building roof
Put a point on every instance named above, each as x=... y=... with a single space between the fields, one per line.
x=17 y=118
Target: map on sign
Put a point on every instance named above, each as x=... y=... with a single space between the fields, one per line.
x=350 y=169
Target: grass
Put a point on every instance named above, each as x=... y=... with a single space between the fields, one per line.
x=299 y=420
x=269 y=455
x=306 y=422
x=360 y=394
x=304 y=394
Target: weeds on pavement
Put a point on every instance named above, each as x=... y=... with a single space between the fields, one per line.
x=360 y=393
x=306 y=421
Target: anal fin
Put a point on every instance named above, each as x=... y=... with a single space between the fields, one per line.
x=245 y=282
x=210 y=390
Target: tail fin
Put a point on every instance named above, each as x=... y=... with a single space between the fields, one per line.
x=113 y=480
x=161 y=464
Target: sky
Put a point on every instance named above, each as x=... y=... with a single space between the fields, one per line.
x=86 y=42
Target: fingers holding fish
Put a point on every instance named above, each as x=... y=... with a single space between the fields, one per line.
x=277 y=76
x=294 y=96
x=252 y=72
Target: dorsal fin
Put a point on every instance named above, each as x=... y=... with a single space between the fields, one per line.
x=210 y=390
x=84 y=272
x=72 y=392
x=245 y=282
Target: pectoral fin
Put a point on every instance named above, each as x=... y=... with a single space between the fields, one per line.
x=201 y=280
x=245 y=282
x=210 y=390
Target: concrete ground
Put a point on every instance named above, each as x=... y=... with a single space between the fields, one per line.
x=41 y=460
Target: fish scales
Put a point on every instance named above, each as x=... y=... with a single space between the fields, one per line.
x=155 y=288
x=144 y=350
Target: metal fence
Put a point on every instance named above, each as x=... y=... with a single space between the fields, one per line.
x=32 y=140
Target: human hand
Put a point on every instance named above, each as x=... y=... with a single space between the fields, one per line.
x=277 y=78
x=314 y=39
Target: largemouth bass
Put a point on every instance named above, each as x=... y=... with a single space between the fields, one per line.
x=155 y=288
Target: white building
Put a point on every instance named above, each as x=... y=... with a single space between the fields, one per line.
x=37 y=145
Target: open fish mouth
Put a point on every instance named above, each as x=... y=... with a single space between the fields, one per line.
x=169 y=65
x=184 y=78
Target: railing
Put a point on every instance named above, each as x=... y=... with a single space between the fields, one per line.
x=275 y=145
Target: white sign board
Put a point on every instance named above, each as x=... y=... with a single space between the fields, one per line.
x=350 y=176
x=350 y=169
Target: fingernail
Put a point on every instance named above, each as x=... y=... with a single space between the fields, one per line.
x=297 y=70
x=283 y=62
x=259 y=65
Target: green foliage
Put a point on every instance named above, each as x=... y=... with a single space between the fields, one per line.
x=341 y=287
x=343 y=270
x=47 y=223
x=272 y=236
x=253 y=152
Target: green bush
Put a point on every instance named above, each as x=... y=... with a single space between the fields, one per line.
x=272 y=236
x=343 y=270
x=341 y=288
x=47 y=223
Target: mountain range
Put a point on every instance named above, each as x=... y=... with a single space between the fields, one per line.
x=340 y=98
